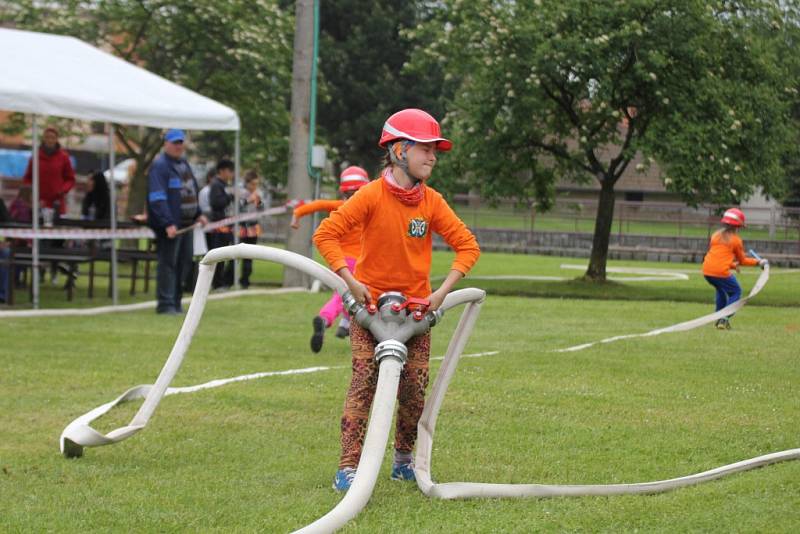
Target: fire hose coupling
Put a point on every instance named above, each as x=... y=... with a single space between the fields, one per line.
x=391 y=348
x=350 y=303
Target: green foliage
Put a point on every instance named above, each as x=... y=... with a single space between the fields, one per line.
x=541 y=91
x=237 y=52
x=544 y=90
x=361 y=56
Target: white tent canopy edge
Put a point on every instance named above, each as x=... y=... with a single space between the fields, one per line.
x=46 y=74
x=63 y=76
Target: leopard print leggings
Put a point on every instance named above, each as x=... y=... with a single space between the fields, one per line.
x=410 y=394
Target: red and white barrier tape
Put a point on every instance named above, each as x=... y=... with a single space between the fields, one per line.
x=126 y=233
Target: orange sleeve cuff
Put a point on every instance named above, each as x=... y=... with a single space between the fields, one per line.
x=338 y=265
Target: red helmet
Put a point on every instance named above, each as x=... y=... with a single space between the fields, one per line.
x=352 y=179
x=414 y=125
x=734 y=217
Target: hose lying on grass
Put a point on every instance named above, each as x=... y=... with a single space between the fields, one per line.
x=79 y=433
x=728 y=310
x=464 y=490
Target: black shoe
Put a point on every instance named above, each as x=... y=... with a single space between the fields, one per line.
x=342 y=332
x=319 y=333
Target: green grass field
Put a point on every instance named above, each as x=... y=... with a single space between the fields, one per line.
x=259 y=456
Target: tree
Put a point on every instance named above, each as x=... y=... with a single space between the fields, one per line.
x=299 y=179
x=546 y=90
x=236 y=52
x=362 y=53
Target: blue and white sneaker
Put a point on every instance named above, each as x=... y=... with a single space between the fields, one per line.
x=403 y=472
x=344 y=478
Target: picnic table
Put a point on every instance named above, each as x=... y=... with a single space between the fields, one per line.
x=84 y=245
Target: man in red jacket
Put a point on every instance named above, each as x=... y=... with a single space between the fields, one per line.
x=56 y=176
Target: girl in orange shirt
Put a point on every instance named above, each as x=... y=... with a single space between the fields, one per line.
x=397 y=214
x=350 y=181
x=726 y=252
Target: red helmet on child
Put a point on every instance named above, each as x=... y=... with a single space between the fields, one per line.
x=414 y=125
x=733 y=217
x=352 y=179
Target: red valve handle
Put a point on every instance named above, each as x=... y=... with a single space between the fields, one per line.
x=372 y=309
x=421 y=305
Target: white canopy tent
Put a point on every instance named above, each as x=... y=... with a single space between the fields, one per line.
x=45 y=74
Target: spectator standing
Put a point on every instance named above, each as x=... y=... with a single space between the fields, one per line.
x=56 y=179
x=249 y=230
x=202 y=197
x=221 y=201
x=96 y=205
x=171 y=206
x=56 y=176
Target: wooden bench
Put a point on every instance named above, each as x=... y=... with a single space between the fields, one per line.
x=132 y=256
x=24 y=258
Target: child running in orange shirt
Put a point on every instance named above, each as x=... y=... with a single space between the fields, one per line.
x=351 y=180
x=397 y=214
x=726 y=252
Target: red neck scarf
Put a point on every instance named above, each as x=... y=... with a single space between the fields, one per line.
x=409 y=197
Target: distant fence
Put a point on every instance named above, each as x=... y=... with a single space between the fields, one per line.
x=630 y=218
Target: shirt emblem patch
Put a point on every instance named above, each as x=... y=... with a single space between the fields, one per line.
x=417 y=227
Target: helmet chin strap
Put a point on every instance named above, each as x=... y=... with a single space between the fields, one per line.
x=405 y=144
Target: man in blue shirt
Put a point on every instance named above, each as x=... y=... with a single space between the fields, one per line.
x=172 y=205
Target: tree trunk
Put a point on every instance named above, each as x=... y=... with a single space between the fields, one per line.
x=137 y=188
x=299 y=182
x=602 y=232
x=137 y=192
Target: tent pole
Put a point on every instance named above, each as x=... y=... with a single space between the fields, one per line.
x=35 y=208
x=237 y=161
x=112 y=157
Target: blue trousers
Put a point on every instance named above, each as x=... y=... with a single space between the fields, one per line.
x=728 y=290
x=174 y=259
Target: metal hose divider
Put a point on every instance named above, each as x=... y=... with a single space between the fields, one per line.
x=391 y=329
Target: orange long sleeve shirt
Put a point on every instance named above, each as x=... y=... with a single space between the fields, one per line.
x=351 y=241
x=722 y=256
x=397 y=243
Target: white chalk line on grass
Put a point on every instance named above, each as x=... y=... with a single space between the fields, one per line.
x=645 y=275
x=650 y=275
x=150 y=304
x=79 y=428
x=304 y=370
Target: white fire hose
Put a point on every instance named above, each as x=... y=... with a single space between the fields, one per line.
x=79 y=434
x=464 y=490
